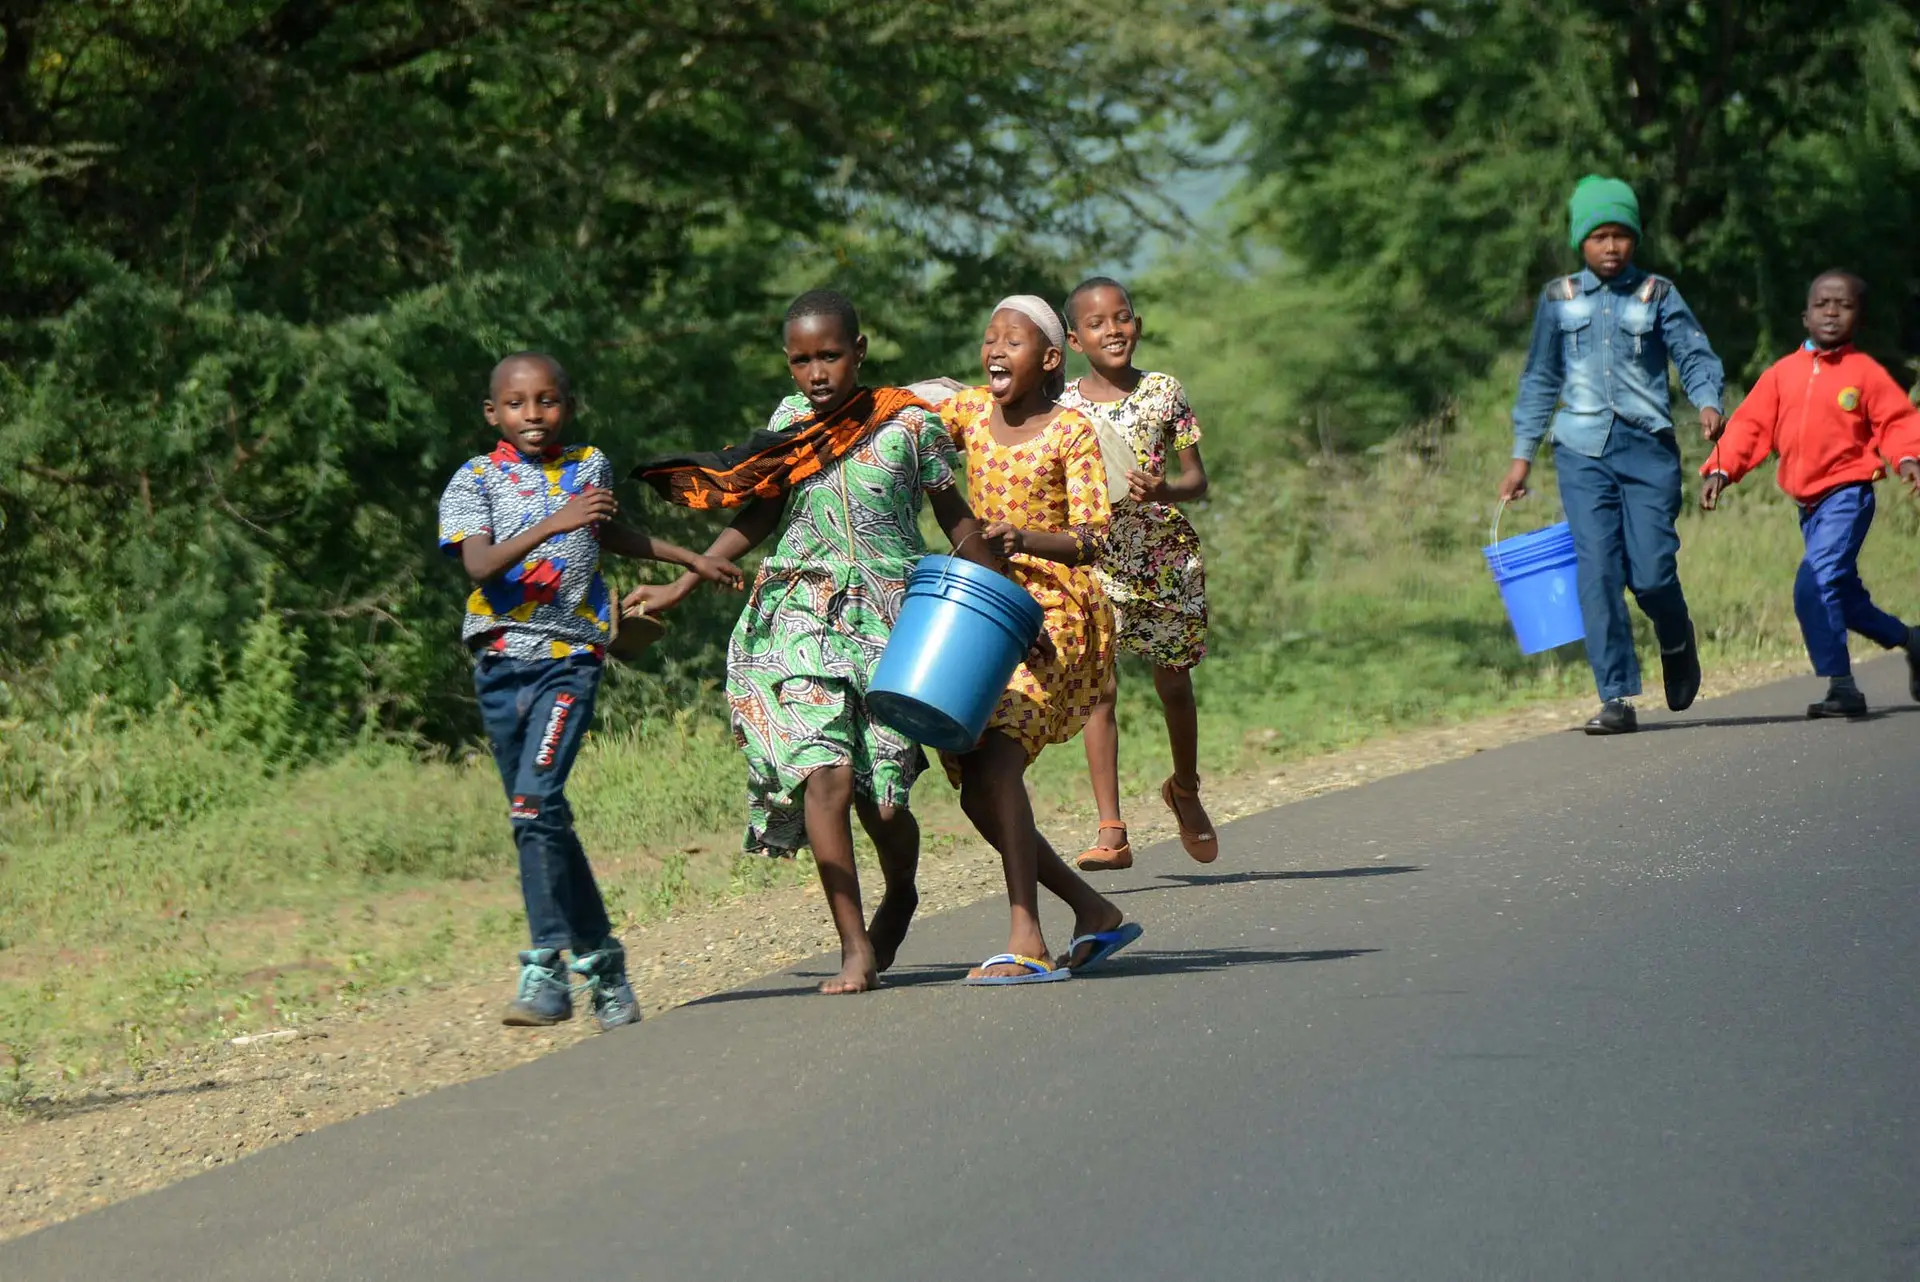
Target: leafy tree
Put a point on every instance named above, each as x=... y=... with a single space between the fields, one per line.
x=1414 y=159
x=261 y=254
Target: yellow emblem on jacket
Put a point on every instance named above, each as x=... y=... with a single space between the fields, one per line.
x=1849 y=399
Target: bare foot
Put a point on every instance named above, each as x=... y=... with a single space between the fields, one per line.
x=889 y=926
x=857 y=975
x=1108 y=918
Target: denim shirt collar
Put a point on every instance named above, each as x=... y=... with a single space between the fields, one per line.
x=1627 y=281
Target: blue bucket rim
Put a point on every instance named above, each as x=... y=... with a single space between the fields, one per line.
x=1518 y=544
x=997 y=588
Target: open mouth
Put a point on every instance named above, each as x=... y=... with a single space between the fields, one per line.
x=999 y=379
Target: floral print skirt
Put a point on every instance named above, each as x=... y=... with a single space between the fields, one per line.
x=1153 y=574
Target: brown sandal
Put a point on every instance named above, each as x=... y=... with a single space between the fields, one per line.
x=1204 y=845
x=1104 y=858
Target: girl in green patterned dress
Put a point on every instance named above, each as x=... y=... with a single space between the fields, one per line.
x=822 y=607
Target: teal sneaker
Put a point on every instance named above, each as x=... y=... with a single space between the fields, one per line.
x=609 y=995
x=544 y=997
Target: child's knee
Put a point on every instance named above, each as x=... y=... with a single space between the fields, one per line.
x=536 y=812
x=831 y=786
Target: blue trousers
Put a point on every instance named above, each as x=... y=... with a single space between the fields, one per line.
x=536 y=714
x=1621 y=508
x=1828 y=596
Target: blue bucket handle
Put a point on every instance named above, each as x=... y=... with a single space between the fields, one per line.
x=954 y=555
x=1493 y=536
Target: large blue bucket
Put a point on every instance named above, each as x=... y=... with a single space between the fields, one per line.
x=961 y=632
x=1536 y=577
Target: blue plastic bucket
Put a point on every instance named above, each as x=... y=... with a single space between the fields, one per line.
x=1536 y=577
x=961 y=632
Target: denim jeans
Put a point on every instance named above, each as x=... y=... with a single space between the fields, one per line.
x=1621 y=508
x=1828 y=597
x=536 y=713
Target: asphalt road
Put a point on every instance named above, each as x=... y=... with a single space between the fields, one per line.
x=1577 y=1009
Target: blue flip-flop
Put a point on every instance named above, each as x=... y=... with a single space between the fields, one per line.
x=1105 y=943
x=1038 y=972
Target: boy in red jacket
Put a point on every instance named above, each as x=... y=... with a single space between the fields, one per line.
x=1831 y=413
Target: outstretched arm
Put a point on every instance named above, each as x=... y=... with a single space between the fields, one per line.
x=748 y=531
x=1748 y=440
x=626 y=541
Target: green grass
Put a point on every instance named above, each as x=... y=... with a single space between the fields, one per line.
x=158 y=884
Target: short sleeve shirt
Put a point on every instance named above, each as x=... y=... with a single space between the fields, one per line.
x=865 y=507
x=554 y=604
x=1154 y=417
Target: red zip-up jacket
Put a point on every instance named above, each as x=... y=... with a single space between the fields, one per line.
x=1832 y=417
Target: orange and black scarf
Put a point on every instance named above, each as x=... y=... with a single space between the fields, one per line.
x=771 y=463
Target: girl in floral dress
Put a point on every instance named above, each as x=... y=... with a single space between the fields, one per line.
x=1034 y=475
x=849 y=467
x=1151 y=569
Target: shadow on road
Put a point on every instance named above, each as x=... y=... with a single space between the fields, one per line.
x=1196 y=961
x=1135 y=961
x=1781 y=719
x=1192 y=880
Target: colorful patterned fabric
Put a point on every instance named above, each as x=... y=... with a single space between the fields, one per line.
x=553 y=604
x=773 y=462
x=822 y=608
x=1152 y=571
x=1054 y=483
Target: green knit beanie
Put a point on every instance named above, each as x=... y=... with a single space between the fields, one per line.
x=1598 y=201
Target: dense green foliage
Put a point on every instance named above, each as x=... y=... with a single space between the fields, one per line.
x=1414 y=161
x=260 y=256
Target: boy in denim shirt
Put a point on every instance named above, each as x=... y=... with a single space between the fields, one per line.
x=1597 y=376
x=528 y=522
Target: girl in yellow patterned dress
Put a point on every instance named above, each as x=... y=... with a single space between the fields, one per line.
x=1034 y=475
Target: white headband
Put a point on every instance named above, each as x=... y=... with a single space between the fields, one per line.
x=1040 y=312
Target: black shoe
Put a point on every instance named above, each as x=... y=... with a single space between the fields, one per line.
x=1850 y=704
x=1681 y=672
x=1616 y=716
x=1913 y=664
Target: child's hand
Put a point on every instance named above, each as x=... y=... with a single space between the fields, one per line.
x=1909 y=471
x=1712 y=424
x=589 y=507
x=1146 y=487
x=1513 y=486
x=1042 y=650
x=1004 y=538
x=717 y=569
x=1710 y=491
x=658 y=598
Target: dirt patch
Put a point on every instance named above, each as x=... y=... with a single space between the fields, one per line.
x=109 y=1138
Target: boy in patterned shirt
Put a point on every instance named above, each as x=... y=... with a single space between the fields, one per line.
x=528 y=522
